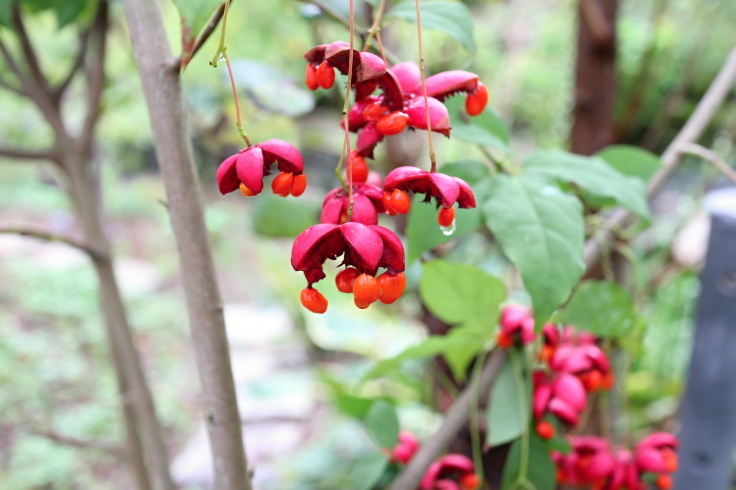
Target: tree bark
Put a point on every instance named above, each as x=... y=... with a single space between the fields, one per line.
x=595 y=76
x=160 y=75
x=145 y=439
x=145 y=445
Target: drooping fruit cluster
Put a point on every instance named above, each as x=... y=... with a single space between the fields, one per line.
x=449 y=472
x=575 y=365
x=387 y=101
x=593 y=461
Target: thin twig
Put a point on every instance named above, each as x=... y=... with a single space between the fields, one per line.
x=345 y=109
x=76 y=65
x=95 y=78
x=696 y=124
x=455 y=419
x=108 y=447
x=26 y=154
x=432 y=158
x=710 y=156
x=52 y=237
x=182 y=61
x=375 y=27
x=29 y=52
x=40 y=94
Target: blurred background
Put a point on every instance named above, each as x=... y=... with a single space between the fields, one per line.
x=60 y=424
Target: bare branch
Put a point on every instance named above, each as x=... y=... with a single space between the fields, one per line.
x=455 y=419
x=108 y=447
x=26 y=154
x=53 y=237
x=710 y=156
x=39 y=94
x=12 y=64
x=696 y=124
x=95 y=77
x=28 y=50
x=76 y=65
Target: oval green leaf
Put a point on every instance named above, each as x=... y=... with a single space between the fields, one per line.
x=540 y=229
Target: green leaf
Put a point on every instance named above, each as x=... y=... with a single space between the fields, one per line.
x=602 y=308
x=269 y=211
x=452 y=18
x=473 y=341
x=458 y=338
x=366 y=471
x=558 y=443
x=6 y=11
x=471 y=171
x=459 y=293
x=351 y=405
x=540 y=229
x=69 y=10
x=507 y=416
x=383 y=424
x=194 y=14
x=593 y=175
x=632 y=161
x=486 y=129
x=540 y=469
x=422 y=231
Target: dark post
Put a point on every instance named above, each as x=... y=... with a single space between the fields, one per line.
x=708 y=434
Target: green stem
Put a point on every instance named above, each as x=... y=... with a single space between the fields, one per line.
x=521 y=480
x=338 y=170
x=490 y=160
x=474 y=415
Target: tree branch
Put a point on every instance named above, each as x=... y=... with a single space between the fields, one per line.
x=28 y=51
x=95 y=78
x=182 y=61
x=76 y=65
x=691 y=132
x=710 y=156
x=53 y=237
x=163 y=92
x=39 y=94
x=455 y=419
x=26 y=154
x=108 y=447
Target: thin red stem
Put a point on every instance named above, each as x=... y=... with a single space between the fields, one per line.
x=239 y=120
x=432 y=158
x=222 y=54
x=345 y=109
